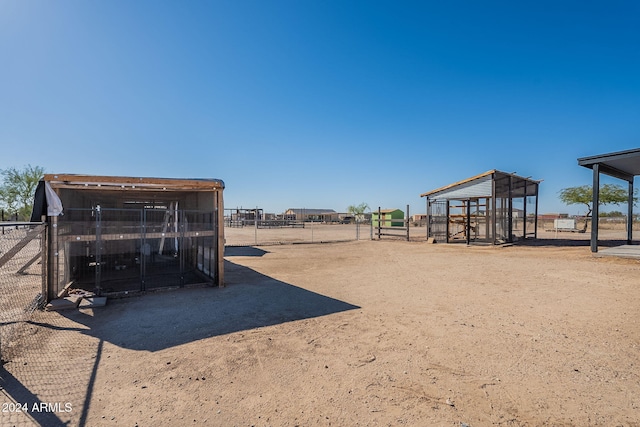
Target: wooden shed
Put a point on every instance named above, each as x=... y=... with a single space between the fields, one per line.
x=388 y=218
x=120 y=235
x=493 y=207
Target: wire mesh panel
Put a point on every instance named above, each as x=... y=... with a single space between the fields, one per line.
x=21 y=282
x=161 y=248
x=518 y=219
x=77 y=248
x=275 y=232
x=118 y=250
x=502 y=219
x=437 y=227
x=198 y=255
x=115 y=251
x=99 y=249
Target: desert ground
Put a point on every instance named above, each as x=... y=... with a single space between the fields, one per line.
x=361 y=333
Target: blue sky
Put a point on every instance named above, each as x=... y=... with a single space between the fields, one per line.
x=320 y=104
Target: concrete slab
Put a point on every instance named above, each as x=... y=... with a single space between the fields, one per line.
x=63 y=303
x=624 y=251
x=80 y=293
x=90 y=302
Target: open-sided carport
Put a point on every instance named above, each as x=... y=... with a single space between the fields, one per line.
x=623 y=165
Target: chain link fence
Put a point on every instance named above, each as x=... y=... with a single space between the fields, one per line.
x=20 y=295
x=263 y=233
x=46 y=376
x=21 y=281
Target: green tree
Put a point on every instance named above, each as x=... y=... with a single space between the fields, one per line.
x=612 y=214
x=18 y=188
x=358 y=211
x=610 y=194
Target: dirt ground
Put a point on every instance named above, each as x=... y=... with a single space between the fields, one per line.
x=363 y=333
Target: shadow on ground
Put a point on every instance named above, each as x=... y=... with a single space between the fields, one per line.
x=161 y=320
x=569 y=242
x=151 y=322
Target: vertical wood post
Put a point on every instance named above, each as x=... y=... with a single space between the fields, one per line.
x=52 y=259
x=407 y=223
x=220 y=233
x=44 y=239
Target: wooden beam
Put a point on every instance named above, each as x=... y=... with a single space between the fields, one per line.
x=29 y=263
x=136 y=236
x=116 y=182
x=31 y=234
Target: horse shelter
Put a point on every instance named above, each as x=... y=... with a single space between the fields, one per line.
x=121 y=235
x=494 y=207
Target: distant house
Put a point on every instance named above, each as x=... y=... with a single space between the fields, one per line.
x=419 y=219
x=316 y=215
x=388 y=218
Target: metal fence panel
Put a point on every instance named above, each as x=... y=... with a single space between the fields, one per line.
x=274 y=233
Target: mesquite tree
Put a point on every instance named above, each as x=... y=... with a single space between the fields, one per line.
x=17 y=189
x=610 y=194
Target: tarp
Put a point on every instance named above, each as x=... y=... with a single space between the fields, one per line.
x=54 y=204
x=45 y=202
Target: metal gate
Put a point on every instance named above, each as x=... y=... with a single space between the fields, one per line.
x=437 y=228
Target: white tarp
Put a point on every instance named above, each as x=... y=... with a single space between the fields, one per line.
x=54 y=204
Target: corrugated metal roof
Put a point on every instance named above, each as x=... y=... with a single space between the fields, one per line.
x=481 y=177
x=455 y=184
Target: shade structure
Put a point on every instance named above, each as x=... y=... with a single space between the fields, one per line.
x=492 y=207
x=624 y=165
x=120 y=235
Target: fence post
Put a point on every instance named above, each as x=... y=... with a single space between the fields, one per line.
x=371 y=228
x=407 y=223
x=99 y=250
x=44 y=258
